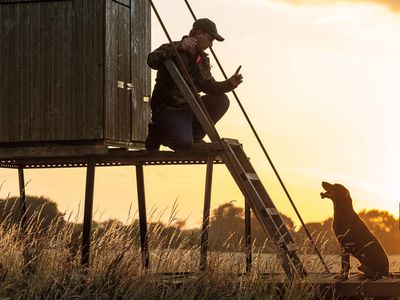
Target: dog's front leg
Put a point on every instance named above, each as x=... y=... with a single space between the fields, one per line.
x=345 y=266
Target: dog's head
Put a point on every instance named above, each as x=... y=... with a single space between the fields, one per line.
x=339 y=195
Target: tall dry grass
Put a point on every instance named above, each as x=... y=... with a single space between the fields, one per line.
x=44 y=263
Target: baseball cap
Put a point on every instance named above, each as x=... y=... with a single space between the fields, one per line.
x=208 y=26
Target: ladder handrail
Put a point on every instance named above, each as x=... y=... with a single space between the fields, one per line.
x=280 y=235
x=290 y=261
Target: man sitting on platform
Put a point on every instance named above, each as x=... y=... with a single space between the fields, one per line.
x=173 y=123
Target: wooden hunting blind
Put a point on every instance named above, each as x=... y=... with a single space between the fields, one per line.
x=74 y=72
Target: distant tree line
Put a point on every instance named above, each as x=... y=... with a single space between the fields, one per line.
x=227 y=223
x=226 y=231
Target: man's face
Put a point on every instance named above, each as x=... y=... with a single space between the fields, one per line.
x=204 y=40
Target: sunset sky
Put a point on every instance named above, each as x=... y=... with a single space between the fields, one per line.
x=322 y=87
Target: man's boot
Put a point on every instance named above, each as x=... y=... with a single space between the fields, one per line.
x=153 y=140
x=198 y=138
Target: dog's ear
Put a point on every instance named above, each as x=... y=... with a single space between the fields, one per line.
x=343 y=190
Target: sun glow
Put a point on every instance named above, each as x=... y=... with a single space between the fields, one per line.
x=321 y=87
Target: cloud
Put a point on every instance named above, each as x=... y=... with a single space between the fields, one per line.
x=392 y=4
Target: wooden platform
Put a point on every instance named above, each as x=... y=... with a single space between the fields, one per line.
x=325 y=285
x=46 y=158
x=356 y=287
x=92 y=156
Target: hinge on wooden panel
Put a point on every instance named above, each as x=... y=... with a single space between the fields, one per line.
x=120 y=84
x=146 y=99
x=129 y=86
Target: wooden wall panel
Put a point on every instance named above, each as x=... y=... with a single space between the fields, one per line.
x=77 y=70
x=67 y=48
x=118 y=102
x=36 y=105
x=25 y=71
x=146 y=31
x=98 y=70
x=45 y=69
x=14 y=71
x=56 y=71
x=88 y=69
x=136 y=78
x=60 y=62
x=119 y=39
x=141 y=45
x=124 y=73
x=111 y=70
x=4 y=74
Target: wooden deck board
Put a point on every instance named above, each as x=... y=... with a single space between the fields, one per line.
x=357 y=287
x=325 y=284
x=51 y=156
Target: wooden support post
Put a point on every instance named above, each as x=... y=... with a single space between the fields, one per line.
x=206 y=214
x=142 y=218
x=87 y=218
x=247 y=230
x=22 y=198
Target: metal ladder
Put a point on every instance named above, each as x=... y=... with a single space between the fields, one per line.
x=248 y=181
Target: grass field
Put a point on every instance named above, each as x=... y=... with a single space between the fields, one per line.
x=44 y=263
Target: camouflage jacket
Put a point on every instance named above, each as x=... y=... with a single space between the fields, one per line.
x=166 y=94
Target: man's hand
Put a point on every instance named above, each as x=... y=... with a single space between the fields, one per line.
x=236 y=78
x=189 y=44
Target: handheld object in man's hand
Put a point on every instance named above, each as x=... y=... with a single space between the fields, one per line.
x=238 y=69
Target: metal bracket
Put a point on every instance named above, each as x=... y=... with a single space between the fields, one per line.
x=120 y=84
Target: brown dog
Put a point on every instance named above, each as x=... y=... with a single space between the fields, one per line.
x=354 y=236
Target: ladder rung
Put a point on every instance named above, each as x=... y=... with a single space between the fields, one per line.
x=291 y=247
x=269 y=212
x=272 y=211
x=250 y=176
x=232 y=142
x=248 y=181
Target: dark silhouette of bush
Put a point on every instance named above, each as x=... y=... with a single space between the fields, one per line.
x=385 y=227
x=40 y=211
x=227 y=231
